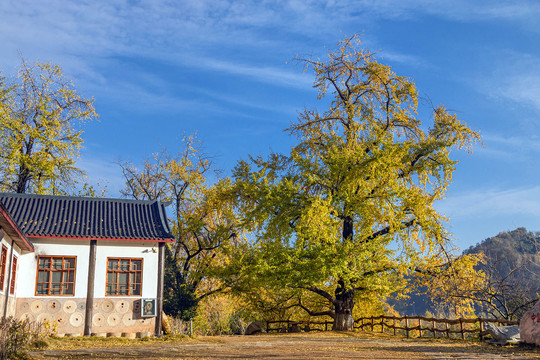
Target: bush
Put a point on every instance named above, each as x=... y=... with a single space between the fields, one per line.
x=221 y=314
x=16 y=336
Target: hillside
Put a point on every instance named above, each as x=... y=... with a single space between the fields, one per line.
x=513 y=270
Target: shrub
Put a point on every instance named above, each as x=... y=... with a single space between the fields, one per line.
x=221 y=314
x=16 y=336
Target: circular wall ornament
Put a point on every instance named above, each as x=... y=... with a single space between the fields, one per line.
x=27 y=317
x=127 y=319
x=25 y=306
x=98 y=319
x=122 y=306
x=61 y=319
x=107 y=306
x=76 y=319
x=54 y=306
x=70 y=306
x=44 y=318
x=36 y=306
x=113 y=319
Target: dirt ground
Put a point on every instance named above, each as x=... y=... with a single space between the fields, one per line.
x=294 y=346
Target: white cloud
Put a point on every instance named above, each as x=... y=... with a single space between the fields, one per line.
x=513 y=76
x=511 y=148
x=486 y=203
x=524 y=88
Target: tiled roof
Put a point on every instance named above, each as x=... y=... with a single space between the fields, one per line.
x=10 y=227
x=95 y=218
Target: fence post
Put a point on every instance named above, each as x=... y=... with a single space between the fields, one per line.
x=461 y=329
x=407 y=325
x=325 y=325
x=447 y=330
x=434 y=329
x=394 y=318
x=382 y=324
x=362 y=324
x=481 y=329
x=372 y=323
x=420 y=327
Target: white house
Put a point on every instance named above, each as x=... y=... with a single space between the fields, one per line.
x=87 y=264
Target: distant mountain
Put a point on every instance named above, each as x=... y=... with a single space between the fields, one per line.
x=513 y=271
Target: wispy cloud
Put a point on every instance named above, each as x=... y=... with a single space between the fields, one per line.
x=485 y=203
x=511 y=76
x=511 y=148
x=165 y=29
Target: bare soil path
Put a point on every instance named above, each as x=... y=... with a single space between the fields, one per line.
x=295 y=346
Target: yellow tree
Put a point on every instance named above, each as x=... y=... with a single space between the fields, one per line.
x=350 y=209
x=452 y=283
x=203 y=222
x=40 y=135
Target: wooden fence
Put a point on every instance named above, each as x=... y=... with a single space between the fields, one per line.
x=407 y=325
x=297 y=326
x=431 y=327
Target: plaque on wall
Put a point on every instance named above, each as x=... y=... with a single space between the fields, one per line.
x=148 y=308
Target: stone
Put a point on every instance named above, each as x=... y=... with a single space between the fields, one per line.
x=254 y=327
x=165 y=324
x=503 y=334
x=530 y=326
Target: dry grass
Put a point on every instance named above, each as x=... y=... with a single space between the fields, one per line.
x=347 y=345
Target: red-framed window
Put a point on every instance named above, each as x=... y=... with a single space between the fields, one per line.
x=56 y=275
x=3 y=262
x=124 y=277
x=13 y=275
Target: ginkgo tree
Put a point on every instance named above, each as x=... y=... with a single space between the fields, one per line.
x=40 y=133
x=350 y=210
x=203 y=222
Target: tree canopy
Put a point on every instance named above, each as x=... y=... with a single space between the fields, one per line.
x=203 y=223
x=40 y=138
x=350 y=209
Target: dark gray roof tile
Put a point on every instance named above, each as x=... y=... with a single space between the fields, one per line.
x=65 y=216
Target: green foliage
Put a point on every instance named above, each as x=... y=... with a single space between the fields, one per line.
x=221 y=314
x=17 y=336
x=40 y=112
x=350 y=210
x=203 y=222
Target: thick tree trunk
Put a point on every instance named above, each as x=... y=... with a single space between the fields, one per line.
x=22 y=180
x=343 y=308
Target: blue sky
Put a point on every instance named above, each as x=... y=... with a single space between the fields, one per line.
x=159 y=69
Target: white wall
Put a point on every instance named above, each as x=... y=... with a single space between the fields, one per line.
x=81 y=250
x=68 y=247
x=6 y=241
x=127 y=249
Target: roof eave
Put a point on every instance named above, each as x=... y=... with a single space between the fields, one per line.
x=44 y=236
x=12 y=229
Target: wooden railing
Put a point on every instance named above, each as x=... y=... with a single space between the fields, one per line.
x=407 y=325
x=297 y=326
x=432 y=326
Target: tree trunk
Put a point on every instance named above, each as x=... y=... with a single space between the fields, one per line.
x=22 y=179
x=343 y=307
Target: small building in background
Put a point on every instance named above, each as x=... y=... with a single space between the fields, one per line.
x=86 y=264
